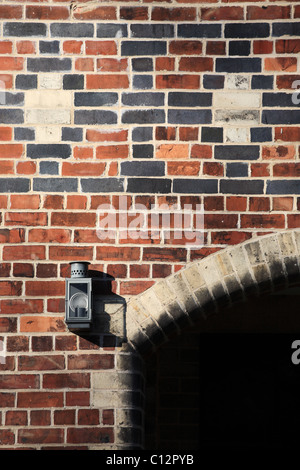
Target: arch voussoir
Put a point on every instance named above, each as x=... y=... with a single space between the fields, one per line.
x=257 y=266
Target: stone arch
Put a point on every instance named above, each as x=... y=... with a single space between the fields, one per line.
x=258 y=266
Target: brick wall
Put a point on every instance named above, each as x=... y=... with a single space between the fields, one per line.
x=123 y=106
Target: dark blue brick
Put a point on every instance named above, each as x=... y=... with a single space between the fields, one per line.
x=213 y=82
x=147 y=116
x=261 y=134
x=73 y=82
x=142 y=82
x=95 y=98
x=12 y=99
x=234 y=170
x=149 y=185
x=195 y=186
x=73 y=134
x=143 y=99
x=289 y=116
x=247 y=30
x=95 y=117
x=238 y=65
x=26 y=82
x=278 y=99
x=189 y=99
x=212 y=134
x=111 y=30
x=49 y=168
x=49 y=47
x=55 y=185
x=24 y=29
x=102 y=185
x=144 y=168
x=11 y=116
x=199 y=30
x=73 y=30
x=237 y=152
x=286 y=29
x=49 y=64
x=24 y=133
x=189 y=116
x=152 y=30
x=145 y=48
x=289 y=186
x=14 y=185
x=142 y=134
x=48 y=151
x=142 y=150
x=142 y=64
x=239 y=48
x=262 y=82
x=241 y=186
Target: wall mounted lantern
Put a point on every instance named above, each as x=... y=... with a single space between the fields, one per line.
x=79 y=297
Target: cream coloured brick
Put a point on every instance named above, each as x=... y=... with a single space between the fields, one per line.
x=48 y=134
x=50 y=81
x=48 y=99
x=237 y=82
x=237 y=134
x=244 y=100
x=47 y=116
x=237 y=117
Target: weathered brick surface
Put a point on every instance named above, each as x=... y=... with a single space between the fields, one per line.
x=105 y=110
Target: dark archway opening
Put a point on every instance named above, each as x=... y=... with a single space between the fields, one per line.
x=228 y=382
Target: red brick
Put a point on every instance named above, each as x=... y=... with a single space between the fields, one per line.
x=112 y=151
x=260 y=169
x=41 y=436
x=164 y=254
x=201 y=151
x=71 y=253
x=7 y=167
x=173 y=151
x=173 y=14
x=82 y=169
x=38 y=324
x=134 y=287
x=165 y=133
x=108 y=417
x=196 y=64
x=282 y=203
x=64 y=417
x=17 y=343
x=90 y=435
x=262 y=47
x=16 y=418
x=111 y=65
x=11 y=288
x=236 y=203
x=262 y=221
x=26 y=201
x=188 y=82
x=26 y=218
x=68 y=381
x=100 y=135
x=216 y=48
x=117 y=253
x=22 y=306
x=165 y=64
x=100 y=48
x=12 y=235
x=40 y=418
x=76 y=202
x=183 y=168
x=99 y=13
x=44 y=362
x=286 y=169
x=73 y=47
x=42 y=343
x=77 y=399
x=9 y=12
x=280 y=152
x=188 y=133
x=49 y=236
x=106 y=81
x=38 y=12
x=288 y=46
x=83 y=152
x=259 y=204
x=161 y=270
x=268 y=12
x=286 y=81
x=213 y=169
x=213 y=203
x=220 y=221
x=287 y=134
x=23 y=270
x=11 y=150
x=84 y=64
x=280 y=64
x=11 y=63
x=6 y=437
x=88 y=417
x=75 y=219
x=56 y=305
x=45 y=288
x=134 y=13
x=16 y=381
x=222 y=13
x=6 y=80
x=26 y=47
x=5 y=133
x=229 y=238
x=26 y=168
x=91 y=361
